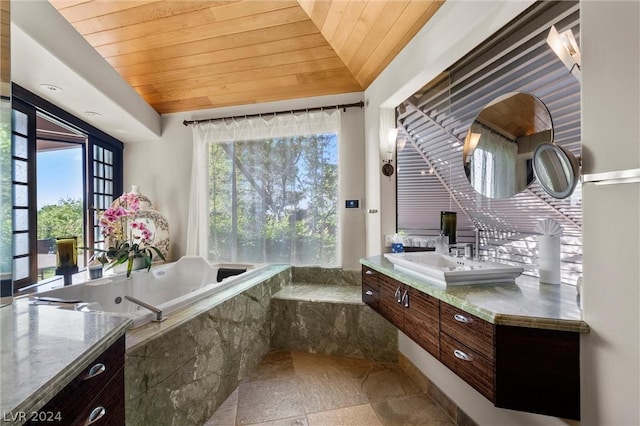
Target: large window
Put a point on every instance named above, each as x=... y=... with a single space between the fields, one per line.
x=270 y=199
x=65 y=172
x=274 y=200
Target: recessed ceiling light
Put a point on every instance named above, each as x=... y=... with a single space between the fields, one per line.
x=50 y=87
x=92 y=114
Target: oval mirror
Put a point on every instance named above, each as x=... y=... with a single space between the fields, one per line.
x=556 y=169
x=498 y=149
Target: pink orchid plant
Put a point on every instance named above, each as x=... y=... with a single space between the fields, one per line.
x=126 y=239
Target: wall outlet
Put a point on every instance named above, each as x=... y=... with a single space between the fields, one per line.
x=388 y=240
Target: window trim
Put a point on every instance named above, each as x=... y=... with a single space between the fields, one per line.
x=30 y=104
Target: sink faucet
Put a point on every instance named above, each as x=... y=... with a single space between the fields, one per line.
x=469 y=252
x=459 y=250
x=442 y=244
x=152 y=308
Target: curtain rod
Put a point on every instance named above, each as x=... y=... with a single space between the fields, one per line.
x=290 y=111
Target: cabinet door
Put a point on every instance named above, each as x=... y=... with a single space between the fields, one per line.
x=422 y=320
x=389 y=304
x=538 y=371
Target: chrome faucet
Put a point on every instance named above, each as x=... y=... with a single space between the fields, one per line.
x=469 y=252
x=152 y=308
x=442 y=244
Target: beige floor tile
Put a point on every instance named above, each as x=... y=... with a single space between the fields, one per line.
x=330 y=390
x=290 y=421
x=415 y=410
x=360 y=415
x=275 y=365
x=305 y=363
x=385 y=381
x=301 y=389
x=225 y=415
x=267 y=400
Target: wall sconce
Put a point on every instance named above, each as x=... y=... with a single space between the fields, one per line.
x=471 y=145
x=389 y=146
x=565 y=46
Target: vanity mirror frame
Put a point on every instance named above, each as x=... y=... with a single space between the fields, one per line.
x=551 y=160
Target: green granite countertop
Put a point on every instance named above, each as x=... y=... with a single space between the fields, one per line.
x=527 y=303
x=43 y=348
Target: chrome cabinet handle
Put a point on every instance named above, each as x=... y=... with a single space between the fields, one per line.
x=461 y=355
x=368 y=293
x=398 y=296
x=96 y=370
x=368 y=272
x=462 y=318
x=95 y=415
x=405 y=298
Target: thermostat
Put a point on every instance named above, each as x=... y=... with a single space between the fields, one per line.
x=352 y=204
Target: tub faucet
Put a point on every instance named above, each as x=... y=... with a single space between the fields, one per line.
x=152 y=308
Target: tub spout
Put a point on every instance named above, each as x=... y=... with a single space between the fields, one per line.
x=152 y=308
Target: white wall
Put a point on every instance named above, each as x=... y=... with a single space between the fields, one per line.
x=162 y=168
x=610 y=354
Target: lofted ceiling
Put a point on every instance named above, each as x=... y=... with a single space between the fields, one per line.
x=184 y=55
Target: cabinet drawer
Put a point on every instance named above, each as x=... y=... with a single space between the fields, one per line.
x=108 y=407
x=370 y=296
x=468 y=329
x=370 y=278
x=78 y=394
x=472 y=367
x=422 y=321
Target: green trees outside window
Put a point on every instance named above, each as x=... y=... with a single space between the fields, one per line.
x=274 y=200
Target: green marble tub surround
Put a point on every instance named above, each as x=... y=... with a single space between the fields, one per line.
x=527 y=303
x=43 y=348
x=180 y=371
x=331 y=320
x=326 y=276
x=140 y=335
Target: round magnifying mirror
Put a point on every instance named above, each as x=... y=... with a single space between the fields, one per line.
x=498 y=149
x=556 y=169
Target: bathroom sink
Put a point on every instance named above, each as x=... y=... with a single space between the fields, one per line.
x=447 y=270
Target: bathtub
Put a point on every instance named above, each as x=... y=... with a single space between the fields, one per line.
x=167 y=287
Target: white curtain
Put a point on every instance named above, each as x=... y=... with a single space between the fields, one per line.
x=227 y=131
x=493 y=171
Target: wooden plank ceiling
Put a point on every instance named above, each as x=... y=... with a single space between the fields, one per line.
x=184 y=55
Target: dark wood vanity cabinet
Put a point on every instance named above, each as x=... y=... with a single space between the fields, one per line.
x=415 y=313
x=93 y=397
x=527 y=369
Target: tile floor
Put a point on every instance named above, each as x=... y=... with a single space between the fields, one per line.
x=294 y=388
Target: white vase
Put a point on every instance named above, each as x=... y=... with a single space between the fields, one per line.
x=549 y=259
x=138 y=263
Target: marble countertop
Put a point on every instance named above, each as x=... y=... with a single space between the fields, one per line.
x=42 y=348
x=527 y=303
x=345 y=294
